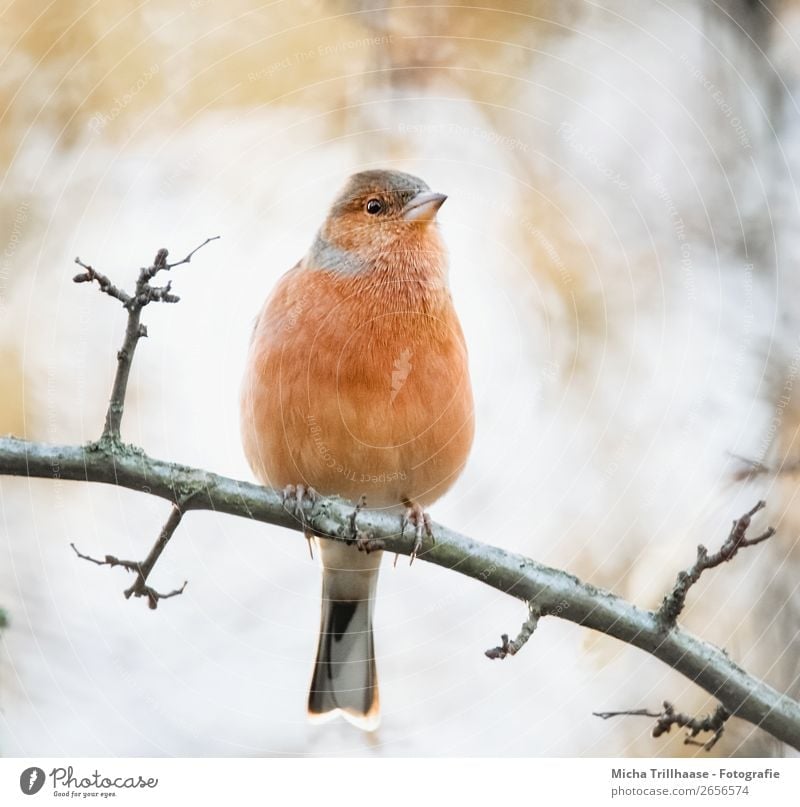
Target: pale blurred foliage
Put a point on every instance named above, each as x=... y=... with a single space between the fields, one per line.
x=612 y=385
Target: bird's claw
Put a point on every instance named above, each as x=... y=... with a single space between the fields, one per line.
x=421 y=521
x=366 y=543
x=294 y=498
x=360 y=505
x=363 y=540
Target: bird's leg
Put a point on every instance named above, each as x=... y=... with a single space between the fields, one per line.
x=415 y=515
x=296 y=496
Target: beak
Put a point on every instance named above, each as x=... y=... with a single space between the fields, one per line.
x=423 y=206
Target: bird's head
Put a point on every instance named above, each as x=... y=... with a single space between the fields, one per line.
x=381 y=218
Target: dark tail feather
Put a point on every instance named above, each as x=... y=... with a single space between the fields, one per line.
x=345 y=678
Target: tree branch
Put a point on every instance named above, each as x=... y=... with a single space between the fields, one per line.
x=673 y=603
x=143 y=568
x=555 y=592
x=666 y=719
x=134 y=330
x=511 y=648
x=546 y=591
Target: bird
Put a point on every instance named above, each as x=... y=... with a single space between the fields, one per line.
x=357 y=386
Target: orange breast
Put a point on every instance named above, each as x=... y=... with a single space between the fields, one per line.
x=358 y=388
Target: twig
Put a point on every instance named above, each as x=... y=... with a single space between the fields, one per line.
x=142 y=569
x=754 y=468
x=134 y=331
x=507 y=648
x=144 y=294
x=140 y=587
x=674 y=602
x=106 y=286
x=108 y=560
x=188 y=258
x=666 y=719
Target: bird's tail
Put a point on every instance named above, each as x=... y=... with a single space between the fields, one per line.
x=345 y=678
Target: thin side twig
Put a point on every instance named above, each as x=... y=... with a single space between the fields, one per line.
x=668 y=717
x=511 y=648
x=754 y=468
x=108 y=560
x=106 y=286
x=737 y=539
x=142 y=569
x=144 y=294
x=188 y=258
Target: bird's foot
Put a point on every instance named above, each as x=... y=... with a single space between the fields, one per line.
x=363 y=540
x=294 y=499
x=421 y=522
x=366 y=543
x=296 y=496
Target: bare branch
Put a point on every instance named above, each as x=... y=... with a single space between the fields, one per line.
x=668 y=717
x=753 y=468
x=508 y=648
x=188 y=258
x=108 y=560
x=116 y=405
x=154 y=596
x=105 y=284
x=142 y=569
x=140 y=587
x=553 y=591
x=134 y=331
x=674 y=602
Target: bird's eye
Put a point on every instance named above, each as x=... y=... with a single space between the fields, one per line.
x=374 y=206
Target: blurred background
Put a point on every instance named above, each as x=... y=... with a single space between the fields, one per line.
x=623 y=231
